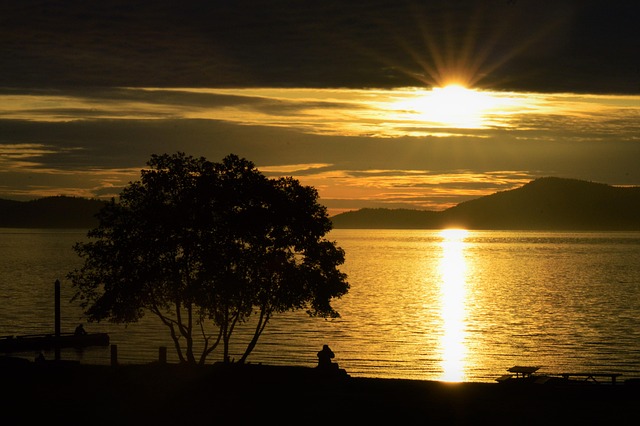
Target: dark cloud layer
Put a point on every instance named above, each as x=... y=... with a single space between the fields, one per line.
x=85 y=145
x=526 y=45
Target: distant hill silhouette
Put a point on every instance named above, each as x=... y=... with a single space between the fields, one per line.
x=50 y=212
x=544 y=204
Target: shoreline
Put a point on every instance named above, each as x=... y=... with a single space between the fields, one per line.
x=174 y=394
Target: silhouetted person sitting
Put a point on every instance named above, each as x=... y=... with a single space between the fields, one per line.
x=40 y=358
x=324 y=358
x=80 y=331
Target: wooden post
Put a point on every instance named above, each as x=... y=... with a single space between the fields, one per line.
x=162 y=354
x=114 y=355
x=57 y=319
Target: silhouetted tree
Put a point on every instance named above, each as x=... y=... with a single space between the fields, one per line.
x=199 y=243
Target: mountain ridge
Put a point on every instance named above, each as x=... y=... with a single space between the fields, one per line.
x=547 y=203
x=58 y=211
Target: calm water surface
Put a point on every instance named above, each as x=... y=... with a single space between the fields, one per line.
x=426 y=305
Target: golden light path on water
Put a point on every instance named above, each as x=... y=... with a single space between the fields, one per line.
x=453 y=288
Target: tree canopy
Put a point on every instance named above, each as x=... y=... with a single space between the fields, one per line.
x=205 y=247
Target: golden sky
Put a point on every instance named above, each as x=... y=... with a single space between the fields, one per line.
x=354 y=98
x=409 y=148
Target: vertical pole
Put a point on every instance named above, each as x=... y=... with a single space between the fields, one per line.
x=114 y=355
x=57 y=320
x=162 y=354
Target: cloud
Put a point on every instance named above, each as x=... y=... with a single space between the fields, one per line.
x=566 y=45
x=92 y=153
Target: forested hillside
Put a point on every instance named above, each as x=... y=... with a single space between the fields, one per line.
x=50 y=212
x=543 y=204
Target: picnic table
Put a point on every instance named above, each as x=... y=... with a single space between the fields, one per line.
x=592 y=376
x=523 y=371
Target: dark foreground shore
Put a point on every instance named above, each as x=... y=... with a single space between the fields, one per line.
x=70 y=394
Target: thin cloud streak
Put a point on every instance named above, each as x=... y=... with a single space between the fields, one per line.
x=390 y=113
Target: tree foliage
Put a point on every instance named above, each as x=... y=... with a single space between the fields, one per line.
x=205 y=247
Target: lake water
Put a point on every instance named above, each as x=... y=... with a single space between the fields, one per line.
x=423 y=304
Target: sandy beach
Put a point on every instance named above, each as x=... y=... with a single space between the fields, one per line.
x=171 y=394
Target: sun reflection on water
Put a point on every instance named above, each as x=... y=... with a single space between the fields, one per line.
x=453 y=288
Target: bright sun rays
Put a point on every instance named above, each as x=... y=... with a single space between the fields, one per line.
x=453 y=272
x=453 y=106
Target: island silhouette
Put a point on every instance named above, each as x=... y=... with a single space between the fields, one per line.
x=547 y=203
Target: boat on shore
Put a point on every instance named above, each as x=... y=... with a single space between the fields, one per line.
x=35 y=342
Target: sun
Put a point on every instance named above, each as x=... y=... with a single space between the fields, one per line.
x=450 y=106
x=455 y=106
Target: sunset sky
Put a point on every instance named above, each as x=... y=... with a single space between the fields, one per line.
x=353 y=98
